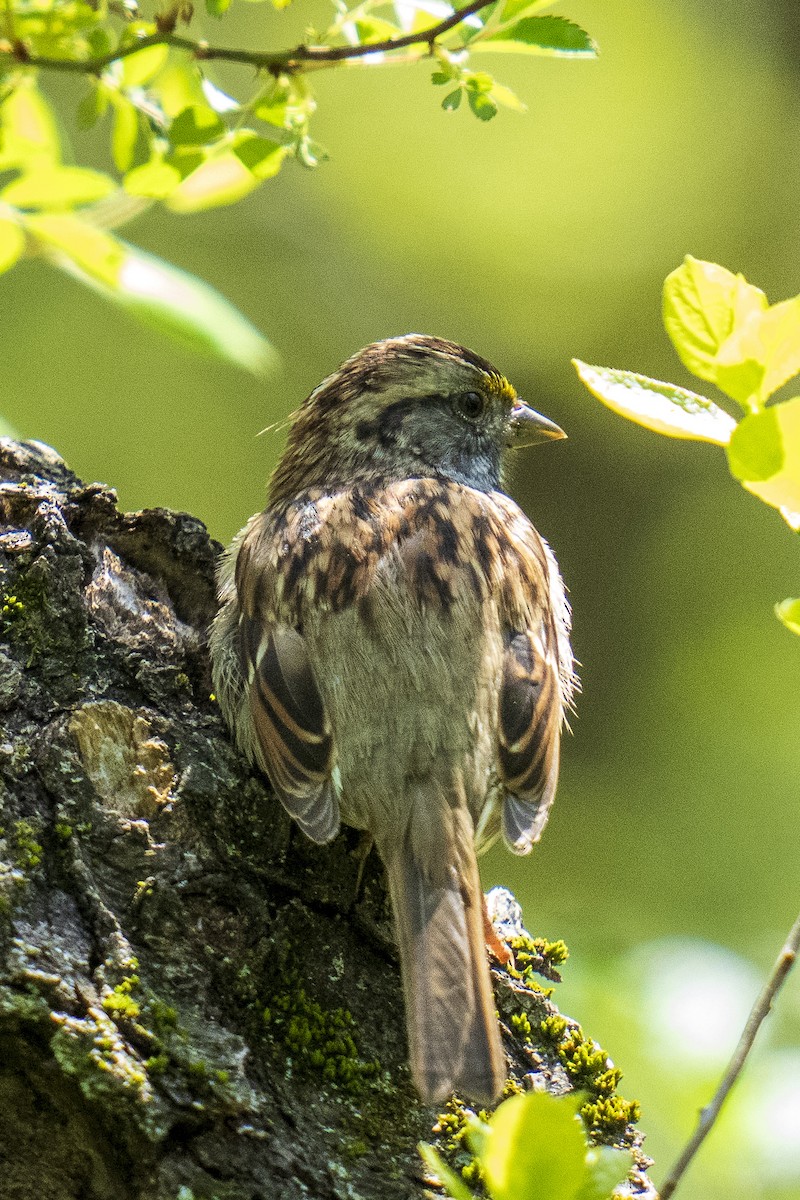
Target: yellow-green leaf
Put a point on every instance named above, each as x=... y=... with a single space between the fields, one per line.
x=551 y=36
x=515 y=9
x=456 y=1188
x=764 y=455
x=178 y=86
x=155 y=179
x=662 y=407
x=124 y=133
x=57 y=188
x=196 y=125
x=503 y=95
x=72 y=244
x=187 y=308
x=606 y=1168
x=12 y=243
x=157 y=293
x=772 y=340
x=375 y=29
x=536 y=1149
x=28 y=129
x=703 y=305
x=274 y=104
x=223 y=179
x=262 y=157
x=788 y=611
x=139 y=68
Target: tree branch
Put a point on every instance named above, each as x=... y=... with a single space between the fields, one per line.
x=276 y=62
x=762 y=1006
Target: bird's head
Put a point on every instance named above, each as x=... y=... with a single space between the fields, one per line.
x=406 y=407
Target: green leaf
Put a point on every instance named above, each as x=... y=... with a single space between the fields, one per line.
x=196 y=125
x=221 y=179
x=124 y=133
x=553 y=36
x=287 y=103
x=179 y=85
x=703 y=306
x=217 y=8
x=453 y=1183
x=55 y=188
x=178 y=304
x=764 y=455
x=508 y=99
x=479 y=81
x=439 y=78
x=99 y=42
x=72 y=244
x=186 y=159
x=29 y=136
x=273 y=106
x=536 y=1150
x=92 y=107
x=482 y=105
x=662 y=407
x=452 y=100
x=156 y=179
x=607 y=1167
x=12 y=243
x=788 y=611
x=375 y=29
x=769 y=343
x=514 y=9
x=756 y=449
x=262 y=157
x=140 y=68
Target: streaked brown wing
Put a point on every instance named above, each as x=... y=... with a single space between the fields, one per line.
x=529 y=733
x=293 y=735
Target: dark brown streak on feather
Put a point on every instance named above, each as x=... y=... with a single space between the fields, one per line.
x=530 y=718
x=309 y=756
x=300 y=698
x=448 y=536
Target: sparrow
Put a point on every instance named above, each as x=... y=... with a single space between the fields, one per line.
x=392 y=650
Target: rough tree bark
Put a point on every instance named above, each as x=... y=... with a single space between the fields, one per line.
x=194 y=1002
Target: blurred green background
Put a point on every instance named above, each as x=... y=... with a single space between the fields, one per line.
x=670 y=862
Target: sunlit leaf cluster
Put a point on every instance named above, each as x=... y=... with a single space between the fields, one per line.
x=727 y=333
x=533 y=1147
x=175 y=138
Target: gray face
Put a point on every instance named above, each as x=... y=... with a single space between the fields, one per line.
x=418 y=406
x=403 y=408
x=453 y=436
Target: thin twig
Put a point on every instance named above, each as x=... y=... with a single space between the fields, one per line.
x=275 y=61
x=763 y=1004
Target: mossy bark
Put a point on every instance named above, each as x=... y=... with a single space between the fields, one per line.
x=195 y=1002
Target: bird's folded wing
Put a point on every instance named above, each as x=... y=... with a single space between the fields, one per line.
x=293 y=736
x=529 y=732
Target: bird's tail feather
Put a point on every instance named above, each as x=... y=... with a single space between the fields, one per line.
x=453 y=1034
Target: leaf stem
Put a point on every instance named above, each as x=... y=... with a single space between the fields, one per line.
x=708 y=1115
x=274 y=61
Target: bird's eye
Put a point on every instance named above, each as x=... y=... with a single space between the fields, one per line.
x=470 y=405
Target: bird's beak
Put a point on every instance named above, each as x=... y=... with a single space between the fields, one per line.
x=527 y=428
